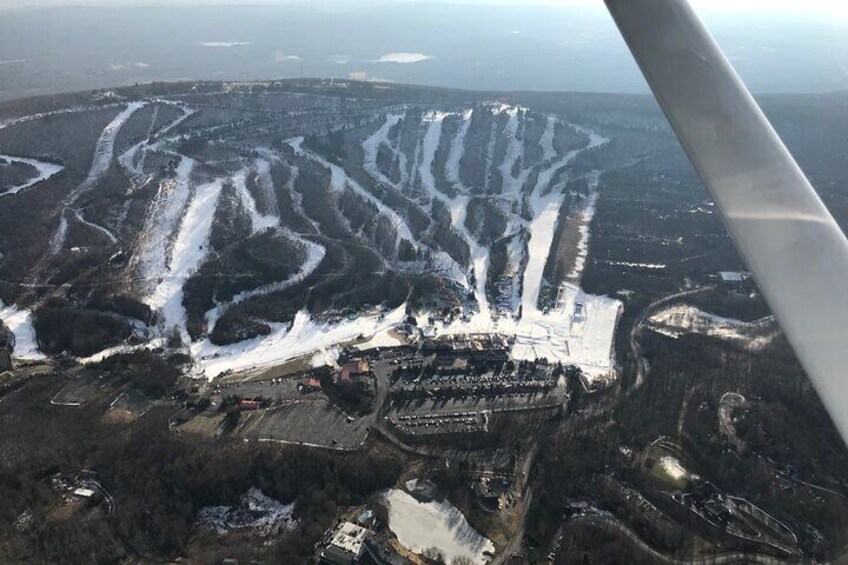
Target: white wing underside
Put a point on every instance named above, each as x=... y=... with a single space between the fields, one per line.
x=794 y=248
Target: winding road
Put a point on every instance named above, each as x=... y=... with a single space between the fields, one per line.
x=642 y=368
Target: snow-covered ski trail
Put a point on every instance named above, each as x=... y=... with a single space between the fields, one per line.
x=371 y=147
x=45 y=171
x=103 y=154
x=260 y=222
x=189 y=251
x=155 y=243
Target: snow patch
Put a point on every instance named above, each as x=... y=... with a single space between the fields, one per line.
x=254 y=511
x=672 y=468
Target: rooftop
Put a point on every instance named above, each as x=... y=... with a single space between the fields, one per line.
x=349 y=537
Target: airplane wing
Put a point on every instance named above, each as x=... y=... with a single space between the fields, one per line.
x=791 y=243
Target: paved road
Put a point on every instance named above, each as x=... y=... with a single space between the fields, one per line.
x=110 y=514
x=382 y=371
x=515 y=544
x=613 y=525
x=635 y=347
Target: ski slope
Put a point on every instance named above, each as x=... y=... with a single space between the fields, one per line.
x=585 y=339
x=173 y=239
x=155 y=244
x=306 y=336
x=19 y=321
x=259 y=223
x=103 y=154
x=578 y=330
x=189 y=251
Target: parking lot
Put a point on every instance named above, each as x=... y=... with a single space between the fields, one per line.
x=78 y=391
x=307 y=422
x=277 y=389
x=441 y=423
x=502 y=403
x=127 y=407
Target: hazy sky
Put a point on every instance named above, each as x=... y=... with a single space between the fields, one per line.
x=827 y=8
x=789 y=46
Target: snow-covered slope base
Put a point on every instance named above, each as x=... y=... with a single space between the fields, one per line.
x=422 y=525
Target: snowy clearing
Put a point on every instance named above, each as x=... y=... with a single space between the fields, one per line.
x=678 y=320
x=422 y=525
x=673 y=469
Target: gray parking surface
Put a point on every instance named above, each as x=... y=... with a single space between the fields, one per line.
x=78 y=391
x=498 y=403
x=276 y=389
x=305 y=422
